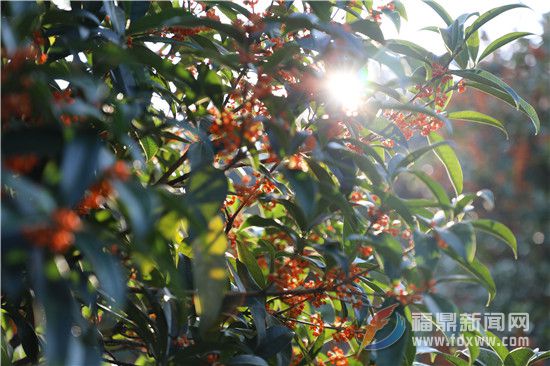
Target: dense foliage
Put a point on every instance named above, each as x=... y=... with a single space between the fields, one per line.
x=182 y=185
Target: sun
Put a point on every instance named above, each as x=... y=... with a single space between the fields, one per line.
x=346 y=89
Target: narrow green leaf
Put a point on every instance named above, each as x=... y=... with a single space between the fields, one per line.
x=483 y=276
x=518 y=357
x=246 y=256
x=449 y=159
x=523 y=105
x=488 y=15
x=498 y=230
x=436 y=188
x=496 y=344
x=246 y=360
x=539 y=356
x=440 y=11
x=497 y=43
x=478 y=117
x=149 y=146
x=209 y=272
x=465 y=232
x=417 y=154
x=410 y=49
x=485 y=77
x=473 y=44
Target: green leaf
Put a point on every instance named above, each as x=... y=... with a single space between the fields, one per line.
x=417 y=154
x=499 y=42
x=426 y=250
x=488 y=15
x=440 y=11
x=390 y=252
x=105 y=267
x=523 y=105
x=246 y=360
x=400 y=207
x=485 y=77
x=465 y=232
x=368 y=28
x=150 y=147
x=205 y=191
x=483 y=276
x=478 y=117
x=170 y=18
x=82 y=157
x=305 y=191
x=25 y=332
x=277 y=338
x=410 y=49
x=473 y=347
x=539 y=356
x=209 y=272
x=400 y=9
x=450 y=161
x=322 y=9
x=473 y=44
x=436 y=188
x=367 y=167
x=519 y=357
x=498 y=230
x=251 y=264
x=496 y=344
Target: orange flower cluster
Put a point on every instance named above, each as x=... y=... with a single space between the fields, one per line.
x=365 y=250
x=65 y=97
x=181 y=33
x=337 y=357
x=344 y=333
x=183 y=342
x=410 y=123
x=21 y=164
x=377 y=14
x=405 y=295
x=248 y=194
x=99 y=192
x=58 y=236
x=345 y=288
x=290 y=275
x=95 y=197
x=318 y=325
x=461 y=86
x=230 y=130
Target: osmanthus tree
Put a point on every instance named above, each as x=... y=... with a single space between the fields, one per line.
x=213 y=183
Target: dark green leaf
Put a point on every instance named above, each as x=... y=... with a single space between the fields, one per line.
x=277 y=338
x=82 y=159
x=368 y=28
x=246 y=360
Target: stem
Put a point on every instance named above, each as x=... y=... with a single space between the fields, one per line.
x=164 y=178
